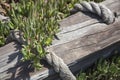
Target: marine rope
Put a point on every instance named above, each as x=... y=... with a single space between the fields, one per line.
x=55 y=61
x=101 y=10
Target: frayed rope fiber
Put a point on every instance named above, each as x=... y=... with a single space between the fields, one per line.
x=55 y=61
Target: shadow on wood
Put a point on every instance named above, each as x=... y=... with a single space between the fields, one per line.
x=15 y=67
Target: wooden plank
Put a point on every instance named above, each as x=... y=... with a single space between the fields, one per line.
x=83 y=40
x=79 y=17
x=9 y=56
x=101 y=36
x=68 y=34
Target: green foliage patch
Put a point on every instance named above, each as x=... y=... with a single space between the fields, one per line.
x=108 y=69
x=38 y=21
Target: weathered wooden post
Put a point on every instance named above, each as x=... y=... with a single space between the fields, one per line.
x=83 y=39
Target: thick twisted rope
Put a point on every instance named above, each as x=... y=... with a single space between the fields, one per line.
x=15 y=35
x=4 y=19
x=99 y=9
x=59 y=66
x=57 y=63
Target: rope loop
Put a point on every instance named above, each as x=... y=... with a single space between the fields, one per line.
x=101 y=10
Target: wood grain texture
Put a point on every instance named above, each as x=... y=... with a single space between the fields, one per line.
x=82 y=40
